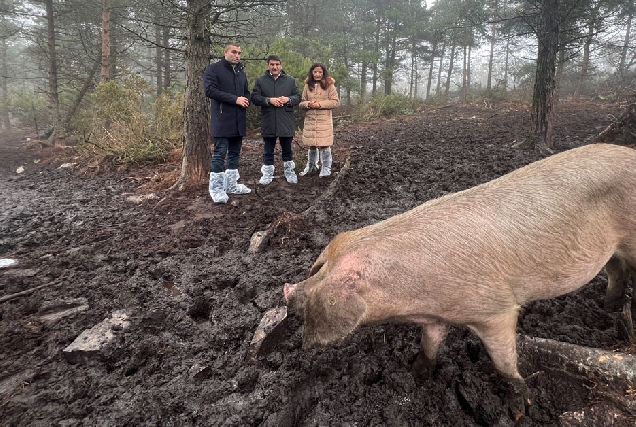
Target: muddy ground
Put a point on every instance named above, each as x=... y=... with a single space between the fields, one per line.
x=179 y=267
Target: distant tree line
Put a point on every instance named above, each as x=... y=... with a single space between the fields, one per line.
x=55 y=54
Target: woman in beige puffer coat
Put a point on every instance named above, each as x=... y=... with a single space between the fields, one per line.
x=319 y=97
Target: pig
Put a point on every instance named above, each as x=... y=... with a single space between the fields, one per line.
x=475 y=257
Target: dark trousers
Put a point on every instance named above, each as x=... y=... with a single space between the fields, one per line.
x=270 y=145
x=226 y=146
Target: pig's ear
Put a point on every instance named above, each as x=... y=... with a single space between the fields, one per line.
x=330 y=315
x=322 y=259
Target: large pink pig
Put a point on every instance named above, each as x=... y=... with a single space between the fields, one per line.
x=475 y=257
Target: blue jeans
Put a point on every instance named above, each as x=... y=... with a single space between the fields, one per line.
x=226 y=146
x=270 y=144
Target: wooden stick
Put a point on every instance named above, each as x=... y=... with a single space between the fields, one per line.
x=23 y=293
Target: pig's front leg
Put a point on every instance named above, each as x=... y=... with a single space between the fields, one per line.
x=433 y=335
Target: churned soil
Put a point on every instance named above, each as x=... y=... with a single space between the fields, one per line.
x=95 y=242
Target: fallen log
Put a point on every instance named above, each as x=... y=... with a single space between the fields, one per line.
x=617 y=371
x=622 y=130
x=330 y=190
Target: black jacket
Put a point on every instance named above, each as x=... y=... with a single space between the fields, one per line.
x=276 y=121
x=223 y=85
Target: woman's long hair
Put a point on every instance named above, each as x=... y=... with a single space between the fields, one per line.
x=324 y=82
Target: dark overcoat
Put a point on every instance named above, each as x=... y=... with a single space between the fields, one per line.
x=276 y=121
x=223 y=84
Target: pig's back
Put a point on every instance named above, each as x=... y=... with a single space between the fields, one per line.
x=535 y=233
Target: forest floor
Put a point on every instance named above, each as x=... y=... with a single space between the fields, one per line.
x=177 y=267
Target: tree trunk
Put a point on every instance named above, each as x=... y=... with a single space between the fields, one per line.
x=544 y=86
x=429 y=83
x=438 y=90
x=491 y=56
x=506 y=64
x=450 y=70
x=195 y=165
x=105 y=72
x=468 y=80
x=465 y=66
x=159 y=58
x=364 y=67
x=621 y=67
x=88 y=83
x=6 y=120
x=389 y=62
x=374 y=85
x=585 y=63
x=413 y=77
x=167 y=81
x=54 y=98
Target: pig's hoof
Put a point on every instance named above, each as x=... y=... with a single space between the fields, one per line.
x=517 y=398
x=625 y=328
x=423 y=367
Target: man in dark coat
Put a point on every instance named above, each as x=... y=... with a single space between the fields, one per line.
x=277 y=94
x=225 y=83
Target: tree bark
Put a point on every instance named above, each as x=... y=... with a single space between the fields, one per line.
x=544 y=86
x=195 y=165
x=616 y=370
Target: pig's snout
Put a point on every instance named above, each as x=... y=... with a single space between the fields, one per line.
x=289 y=291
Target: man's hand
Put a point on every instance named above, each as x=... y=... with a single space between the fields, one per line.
x=242 y=101
x=279 y=102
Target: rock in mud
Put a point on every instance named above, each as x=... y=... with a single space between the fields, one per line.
x=92 y=343
x=258 y=241
x=6 y=263
x=269 y=332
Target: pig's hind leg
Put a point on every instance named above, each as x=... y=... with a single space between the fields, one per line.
x=498 y=334
x=433 y=335
x=617 y=281
x=618 y=296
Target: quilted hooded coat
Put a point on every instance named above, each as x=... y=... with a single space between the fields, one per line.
x=223 y=85
x=318 y=126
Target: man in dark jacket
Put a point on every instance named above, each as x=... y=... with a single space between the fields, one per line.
x=225 y=83
x=277 y=94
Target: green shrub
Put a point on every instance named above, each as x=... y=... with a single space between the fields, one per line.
x=387 y=106
x=29 y=108
x=121 y=125
x=169 y=117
